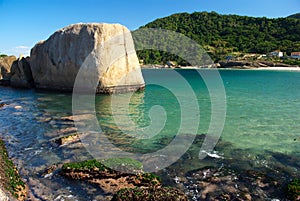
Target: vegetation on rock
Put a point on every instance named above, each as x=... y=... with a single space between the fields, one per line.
x=106 y=164
x=108 y=179
x=293 y=190
x=84 y=165
x=150 y=194
x=297 y=15
x=9 y=177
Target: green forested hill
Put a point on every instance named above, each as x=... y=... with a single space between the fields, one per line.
x=222 y=35
x=297 y=15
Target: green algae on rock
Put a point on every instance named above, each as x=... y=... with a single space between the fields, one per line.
x=10 y=180
x=108 y=179
x=293 y=190
x=151 y=193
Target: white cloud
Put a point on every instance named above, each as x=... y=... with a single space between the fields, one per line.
x=19 y=50
x=22 y=47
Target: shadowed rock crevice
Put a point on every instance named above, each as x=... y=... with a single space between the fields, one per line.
x=21 y=75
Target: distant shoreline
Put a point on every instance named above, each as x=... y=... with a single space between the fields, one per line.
x=234 y=64
x=279 y=68
x=248 y=68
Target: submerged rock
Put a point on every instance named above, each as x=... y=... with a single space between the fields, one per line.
x=105 y=52
x=2 y=105
x=65 y=140
x=212 y=183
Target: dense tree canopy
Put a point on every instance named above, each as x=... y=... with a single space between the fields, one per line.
x=297 y=15
x=222 y=35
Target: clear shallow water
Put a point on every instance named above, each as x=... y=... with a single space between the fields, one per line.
x=262 y=125
x=263 y=110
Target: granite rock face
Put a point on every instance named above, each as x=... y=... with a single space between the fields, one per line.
x=21 y=75
x=5 y=66
x=101 y=52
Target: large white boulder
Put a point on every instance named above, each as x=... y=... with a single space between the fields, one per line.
x=102 y=50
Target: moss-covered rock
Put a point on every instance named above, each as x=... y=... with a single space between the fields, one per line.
x=9 y=177
x=150 y=194
x=293 y=190
x=150 y=178
x=107 y=175
x=126 y=165
x=84 y=165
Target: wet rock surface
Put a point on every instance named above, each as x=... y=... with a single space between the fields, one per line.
x=110 y=181
x=121 y=186
x=2 y=105
x=65 y=140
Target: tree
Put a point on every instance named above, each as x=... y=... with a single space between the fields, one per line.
x=223 y=34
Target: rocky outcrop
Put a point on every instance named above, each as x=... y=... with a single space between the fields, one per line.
x=5 y=66
x=105 y=175
x=236 y=64
x=105 y=52
x=21 y=75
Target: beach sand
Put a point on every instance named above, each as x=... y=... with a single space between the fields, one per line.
x=278 y=68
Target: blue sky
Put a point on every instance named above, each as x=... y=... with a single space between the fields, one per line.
x=25 y=22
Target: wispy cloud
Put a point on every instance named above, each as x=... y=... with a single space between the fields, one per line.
x=20 y=50
x=21 y=47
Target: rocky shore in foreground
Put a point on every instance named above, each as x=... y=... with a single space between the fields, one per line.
x=12 y=187
x=224 y=181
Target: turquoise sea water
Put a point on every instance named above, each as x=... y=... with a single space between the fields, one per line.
x=262 y=123
x=262 y=113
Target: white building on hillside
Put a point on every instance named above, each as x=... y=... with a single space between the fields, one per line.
x=276 y=53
